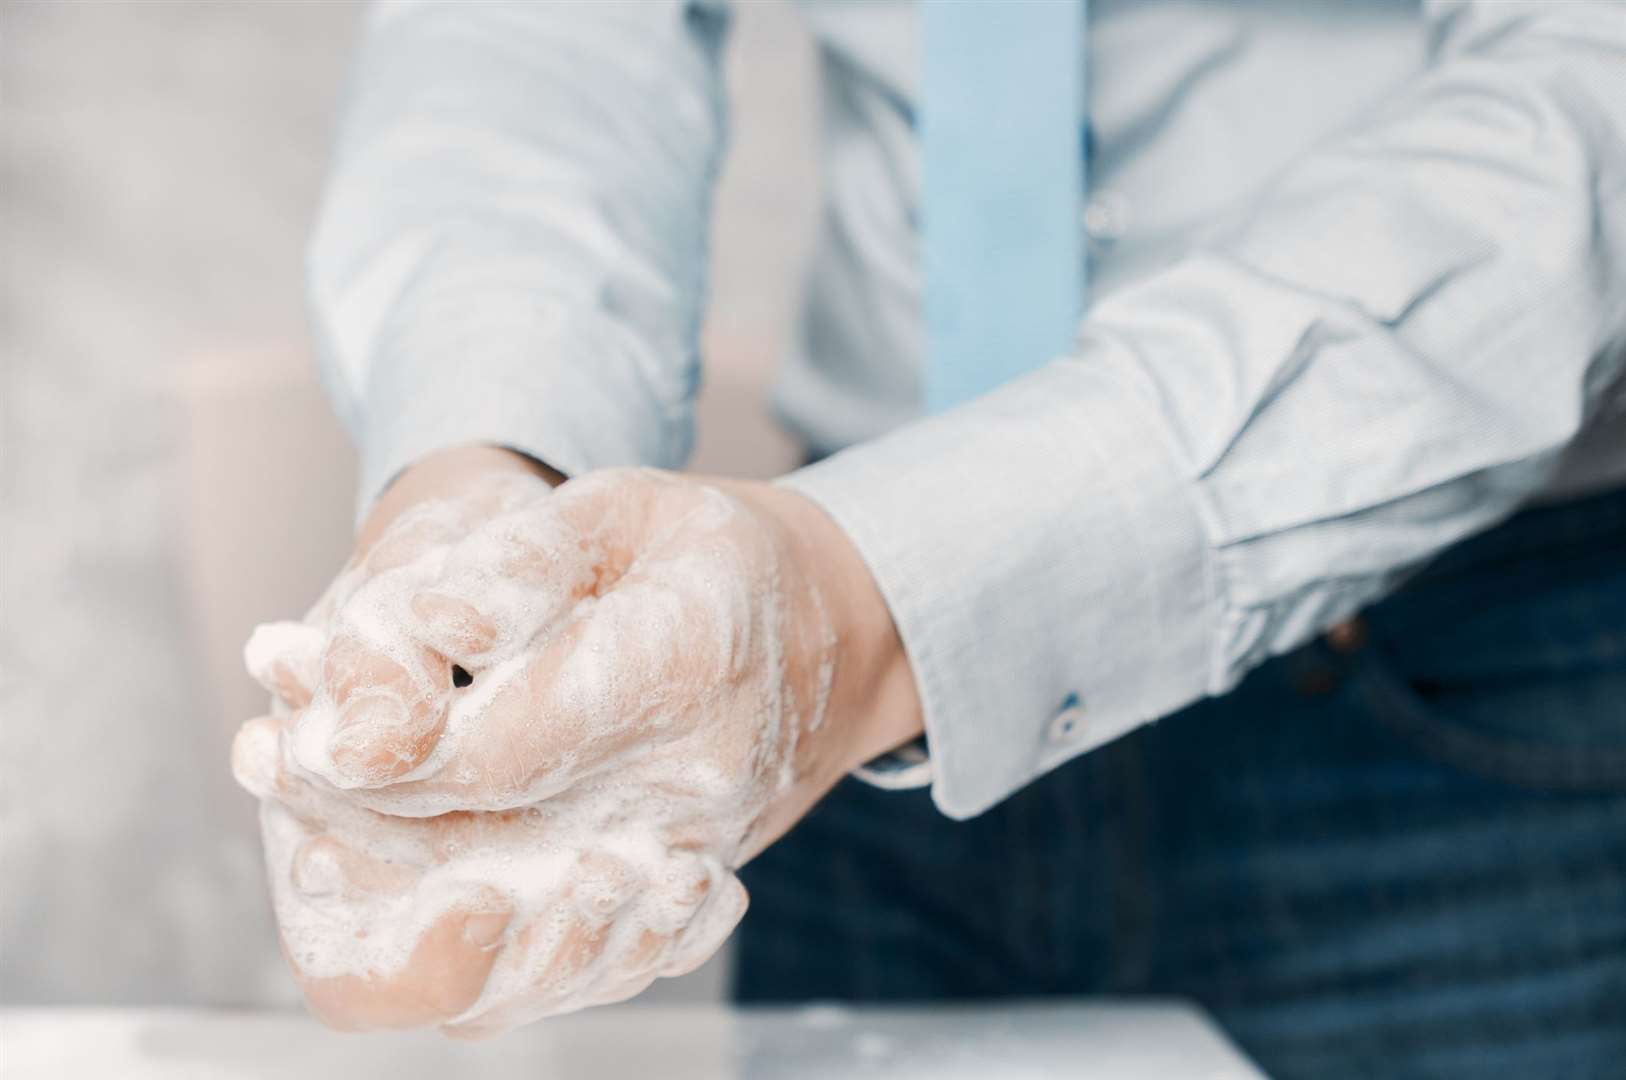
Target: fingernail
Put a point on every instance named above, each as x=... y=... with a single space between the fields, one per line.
x=366 y=736
x=359 y=759
x=486 y=930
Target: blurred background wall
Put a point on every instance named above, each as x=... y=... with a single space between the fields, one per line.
x=170 y=475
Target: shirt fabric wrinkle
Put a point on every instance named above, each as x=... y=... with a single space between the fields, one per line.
x=1327 y=339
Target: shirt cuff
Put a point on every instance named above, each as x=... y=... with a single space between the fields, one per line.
x=569 y=389
x=1043 y=558
x=903 y=769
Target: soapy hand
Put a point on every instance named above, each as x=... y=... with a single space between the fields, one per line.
x=639 y=677
x=473 y=921
x=426 y=508
x=630 y=616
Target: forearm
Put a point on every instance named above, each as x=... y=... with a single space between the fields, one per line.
x=511 y=244
x=1389 y=352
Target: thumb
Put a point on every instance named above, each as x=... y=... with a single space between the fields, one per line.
x=376 y=715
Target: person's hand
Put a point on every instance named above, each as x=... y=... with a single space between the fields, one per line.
x=472 y=921
x=725 y=634
x=673 y=668
x=427 y=507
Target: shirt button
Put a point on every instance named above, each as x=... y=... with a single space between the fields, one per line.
x=1068 y=725
x=1106 y=217
x=1347 y=637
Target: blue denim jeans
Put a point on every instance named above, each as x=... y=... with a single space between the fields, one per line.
x=1398 y=853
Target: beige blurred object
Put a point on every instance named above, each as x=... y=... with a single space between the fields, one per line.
x=270 y=481
x=160 y=163
x=766 y=209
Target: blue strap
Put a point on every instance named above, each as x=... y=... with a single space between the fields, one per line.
x=1002 y=250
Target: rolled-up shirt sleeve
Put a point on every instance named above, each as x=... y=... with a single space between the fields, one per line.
x=511 y=245
x=1388 y=352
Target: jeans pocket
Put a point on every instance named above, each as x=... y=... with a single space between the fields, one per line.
x=1507 y=657
x=1556 y=726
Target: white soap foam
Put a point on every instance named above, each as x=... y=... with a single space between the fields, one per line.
x=692 y=642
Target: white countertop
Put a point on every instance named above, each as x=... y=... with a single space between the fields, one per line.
x=1129 y=1040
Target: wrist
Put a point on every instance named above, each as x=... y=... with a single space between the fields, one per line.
x=874 y=704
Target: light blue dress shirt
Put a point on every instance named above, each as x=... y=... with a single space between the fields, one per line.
x=1358 y=291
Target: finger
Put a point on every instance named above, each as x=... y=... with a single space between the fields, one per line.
x=525 y=571
x=604 y=885
x=640 y=664
x=712 y=925
x=285 y=658
x=639 y=661
x=558 y=956
x=439 y=522
x=255 y=756
x=381 y=714
x=631 y=973
x=415 y=533
x=390 y=703
x=508 y=581
x=488 y=1024
x=553 y=989
x=262 y=764
x=259 y=764
x=646 y=955
x=410 y=536
x=442 y=977
x=653 y=954
x=454 y=627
